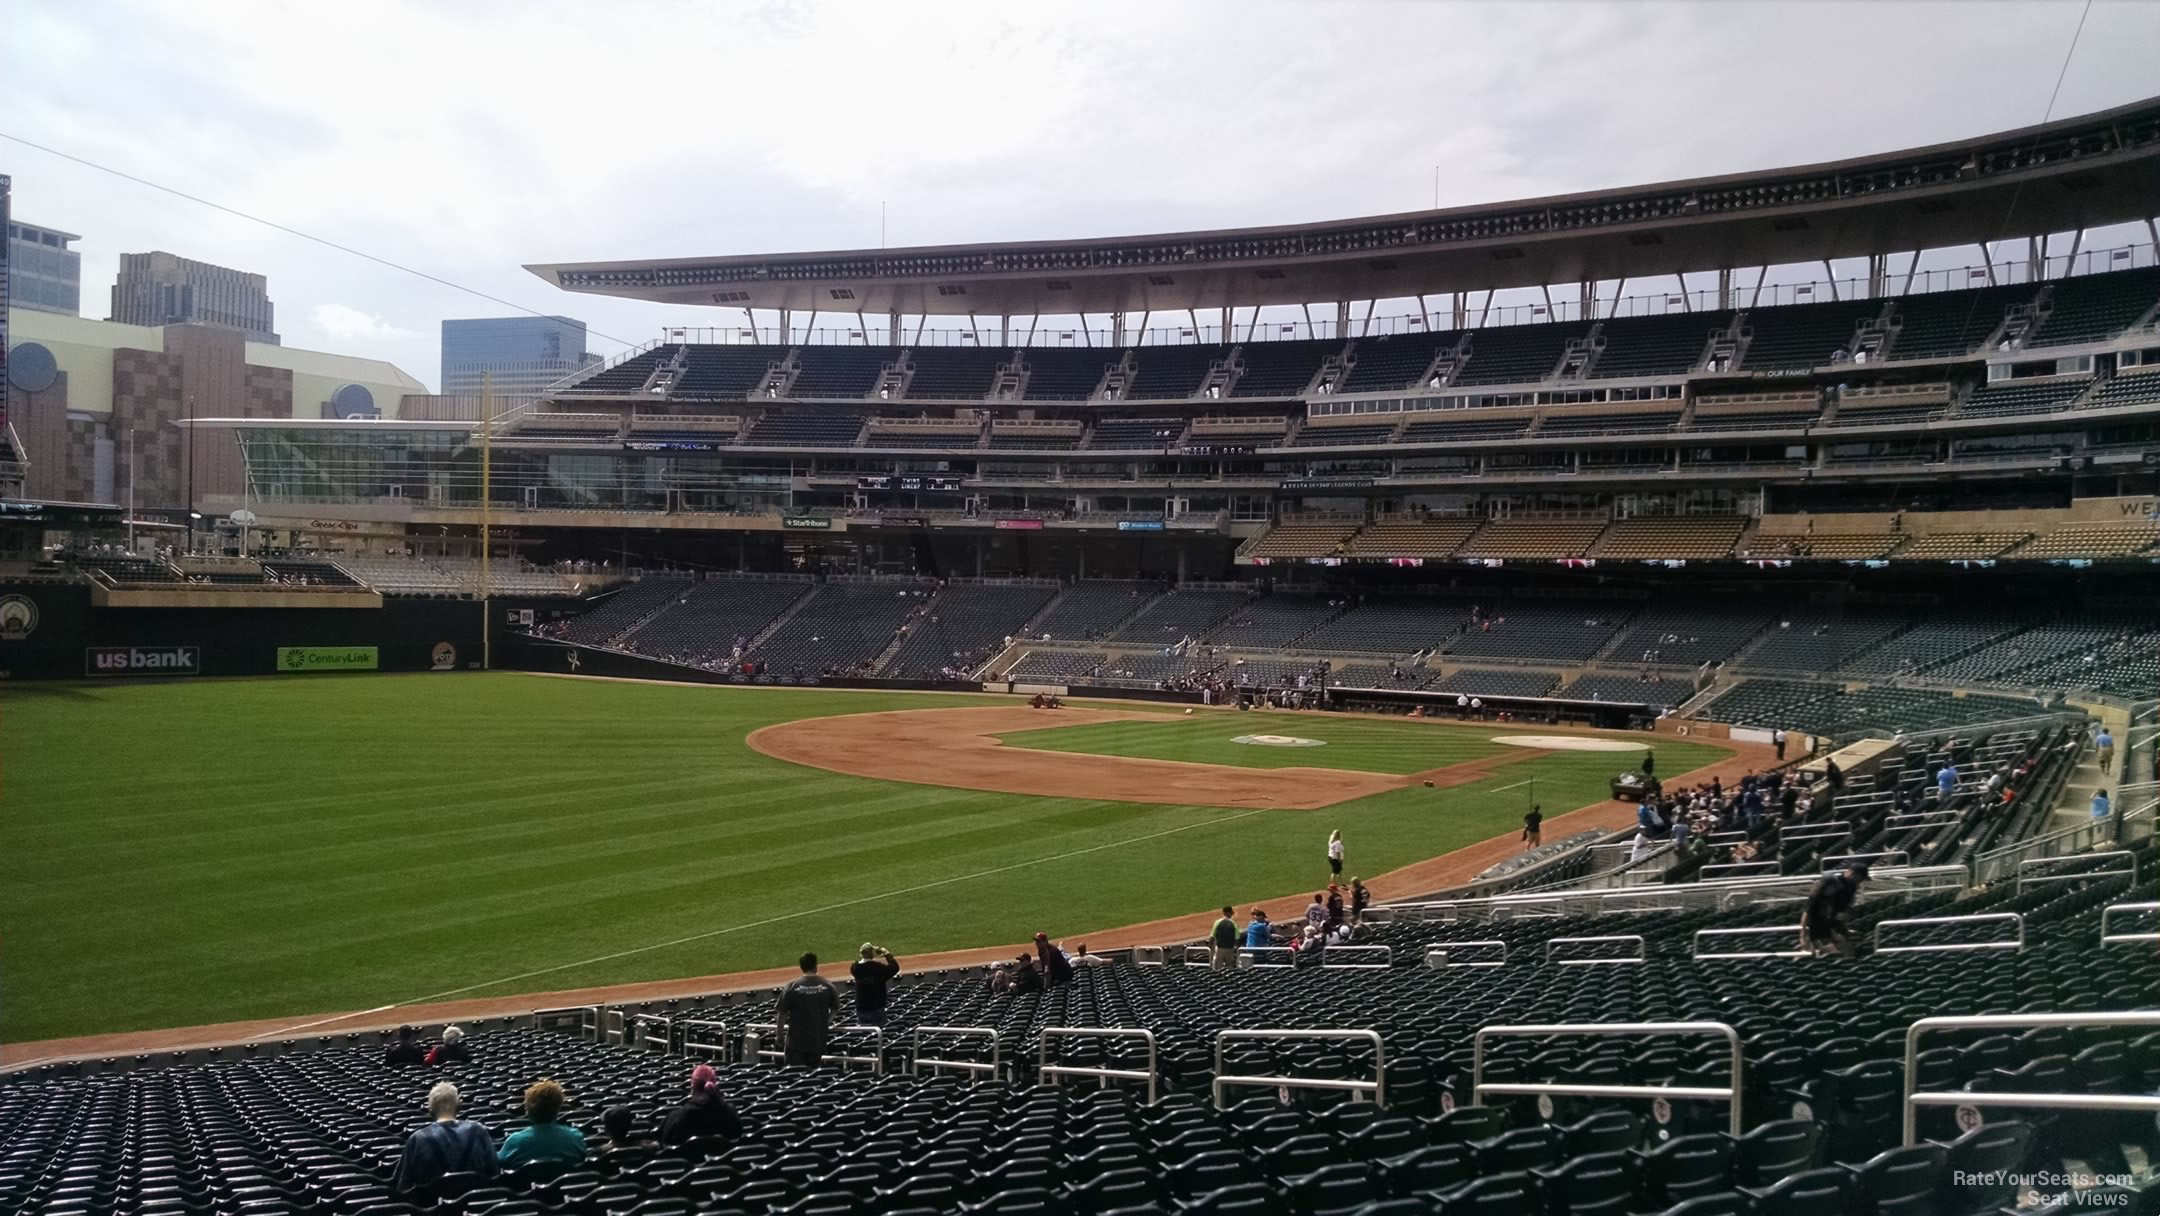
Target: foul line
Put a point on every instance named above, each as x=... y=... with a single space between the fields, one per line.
x=1518 y=785
x=756 y=924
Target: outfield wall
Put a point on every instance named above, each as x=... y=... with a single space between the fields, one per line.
x=51 y=631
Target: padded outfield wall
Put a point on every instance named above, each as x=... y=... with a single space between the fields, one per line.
x=51 y=631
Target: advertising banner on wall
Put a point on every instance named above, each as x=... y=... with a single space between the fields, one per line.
x=327 y=658
x=142 y=661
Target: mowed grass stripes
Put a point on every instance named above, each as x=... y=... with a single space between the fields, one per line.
x=196 y=852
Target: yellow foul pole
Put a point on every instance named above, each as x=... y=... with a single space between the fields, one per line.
x=487 y=517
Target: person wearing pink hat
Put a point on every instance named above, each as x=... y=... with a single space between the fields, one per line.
x=703 y=1113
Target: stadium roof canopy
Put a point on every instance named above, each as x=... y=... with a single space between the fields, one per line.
x=2069 y=175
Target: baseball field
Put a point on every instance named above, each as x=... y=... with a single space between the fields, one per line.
x=195 y=852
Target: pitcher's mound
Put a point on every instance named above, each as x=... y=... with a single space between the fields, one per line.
x=1570 y=743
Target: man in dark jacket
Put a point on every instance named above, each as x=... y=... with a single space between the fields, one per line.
x=1826 y=924
x=806 y=1010
x=407 y=1049
x=1057 y=970
x=446 y=1145
x=873 y=973
x=703 y=1113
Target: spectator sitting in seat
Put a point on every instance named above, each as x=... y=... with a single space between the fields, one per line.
x=702 y=1113
x=1026 y=977
x=451 y=1050
x=618 y=1124
x=406 y=1050
x=1826 y=924
x=545 y=1138
x=1057 y=970
x=1083 y=959
x=447 y=1145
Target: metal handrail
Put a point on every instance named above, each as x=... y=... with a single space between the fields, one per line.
x=1835 y=860
x=705 y=1036
x=642 y=1035
x=1385 y=956
x=1195 y=952
x=2014 y=918
x=1801 y=832
x=1377 y=1087
x=1642 y=950
x=762 y=1033
x=1723 y=867
x=1696 y=951
x=1439 y=954
x=916 y=1059
x=876 y=1058
x=614 y=1027
x=1923 y=819
x=2129 y=867
x=1052 y=1073
x=1717 y=893
x=1730 y=1095
x=1248 y=956
x=587 y=1019
x=2036 y=1101
x=2072 y=841
x=2108 y=939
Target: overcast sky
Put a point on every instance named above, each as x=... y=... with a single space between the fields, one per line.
x=468 y=139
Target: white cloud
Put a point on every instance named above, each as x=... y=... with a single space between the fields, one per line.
x=466 y=140
x=345 y=324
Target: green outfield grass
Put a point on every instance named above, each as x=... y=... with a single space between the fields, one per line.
x=206 y=851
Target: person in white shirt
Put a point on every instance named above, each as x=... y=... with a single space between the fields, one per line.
x=1334 y=856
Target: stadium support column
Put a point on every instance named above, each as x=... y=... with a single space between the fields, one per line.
x=1878 y=275
x=1228 y=331
x=892 y=328
x=1458 y=309
x=1342 y=319
x=1586 y=300
x=1724 y=288
x=1117 y=328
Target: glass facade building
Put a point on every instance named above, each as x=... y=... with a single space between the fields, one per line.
x=521 y=355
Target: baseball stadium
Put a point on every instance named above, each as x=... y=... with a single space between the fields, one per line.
x=1677 y=740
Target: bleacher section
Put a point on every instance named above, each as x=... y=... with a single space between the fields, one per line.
x=1962 y=546
x=966 y=627
x=1316 y=436
x=1179 y=615
x=1424 y=538
x=1065 y=373
x=1668 y=345
x=1171 y=371
x=841 y=628
x=2093 y=540
x=1534 y=538
x=2092 y=308
x=1820 y=640
x=629 y=375
x=624 y=609
x=1556 y=631
x=1393 y=361
x=1296 y=538
x=1580 y=420
x=954 y=372
x=1057 y=666
x=1465 y=425
x=2023 y=397
x=1492 y=682
x=1696 y=537
x=1274 y=621
x=2138 y=386
x=1828 y=709
x=1518 y=354
x=1797 y=337
x=1392 y=626
x=1281 y=369
x=1088 y=611
x=1629 y=690
x=725 y=373
x=714 y=617
x=790 y=428
x=839 y=371
x=1951 y=323
x=1157 y=433
x=1672 y=635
